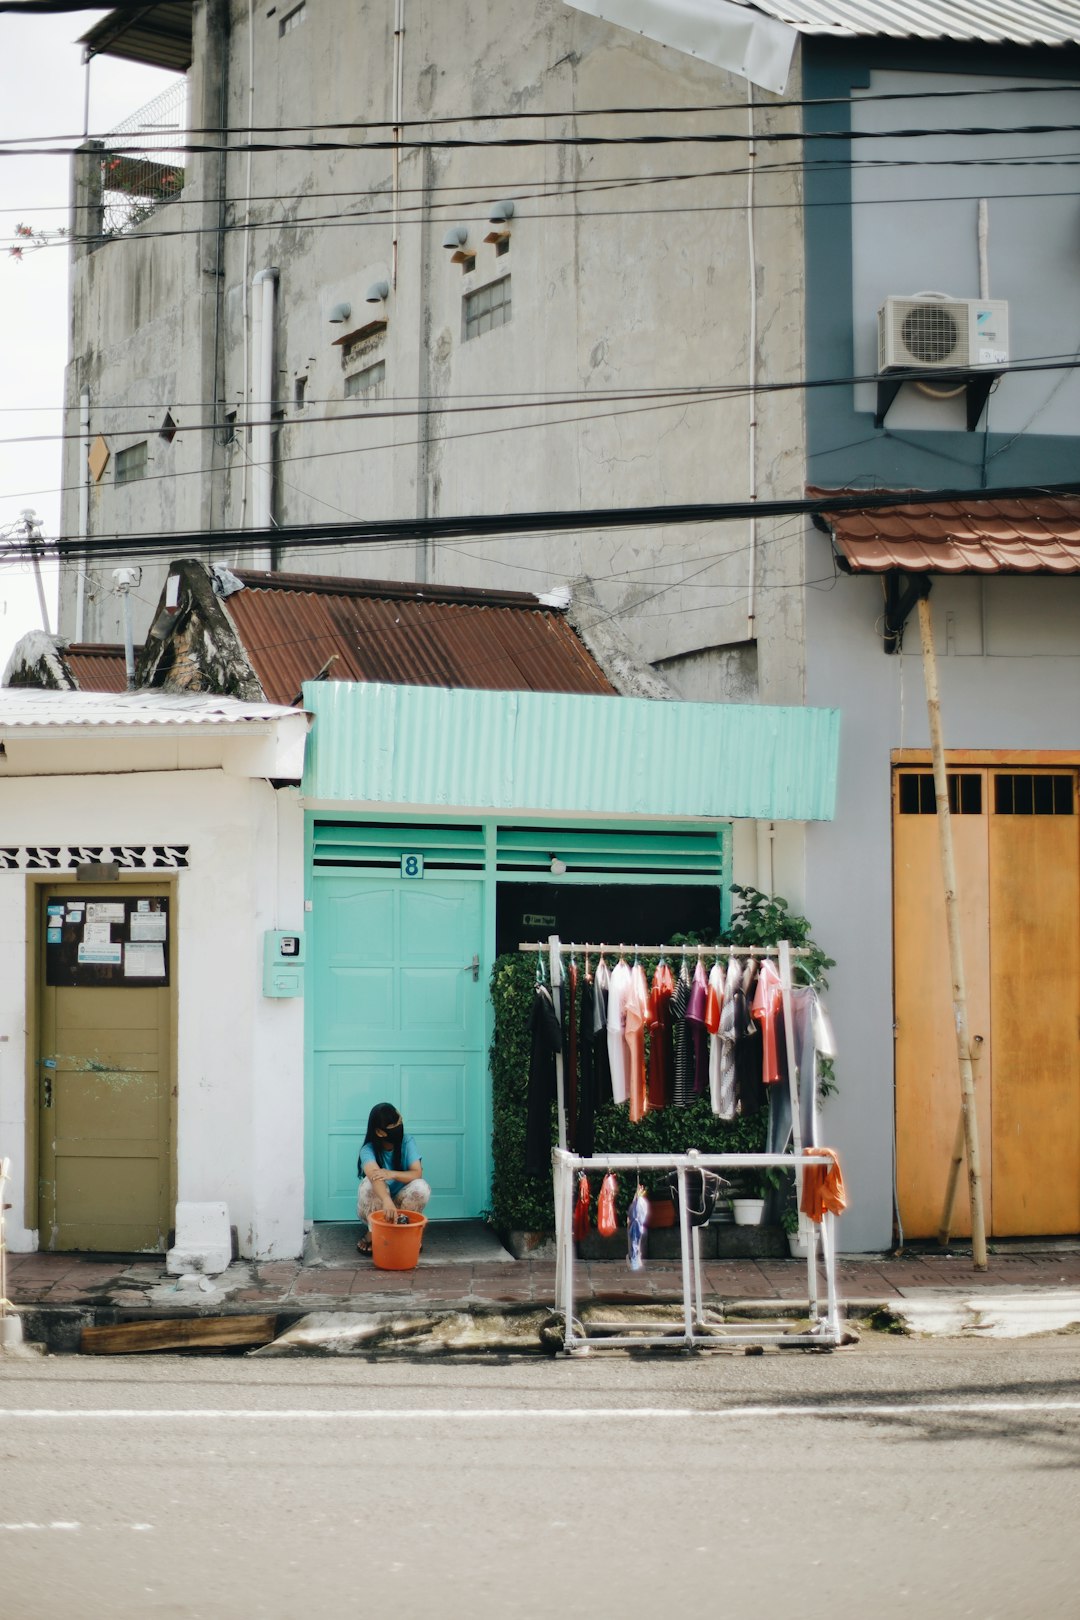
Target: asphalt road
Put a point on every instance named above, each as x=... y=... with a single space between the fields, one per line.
x=896 y=1478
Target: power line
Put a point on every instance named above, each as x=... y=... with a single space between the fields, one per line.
x=701 y=393
x=299 y=537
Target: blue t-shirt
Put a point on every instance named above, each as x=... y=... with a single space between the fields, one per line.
x=410 y=1154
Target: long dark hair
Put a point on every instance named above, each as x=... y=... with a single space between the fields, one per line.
x=382 y=1116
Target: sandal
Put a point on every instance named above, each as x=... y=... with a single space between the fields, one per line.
x=364 y=1244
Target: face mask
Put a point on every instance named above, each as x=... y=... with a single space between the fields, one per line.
x=395 y=1135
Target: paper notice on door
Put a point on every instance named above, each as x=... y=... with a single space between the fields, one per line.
x=101 y=955
x=97 y=933
x=53 y=936
x=148 y=925
x=144 y=961
x=105 y=911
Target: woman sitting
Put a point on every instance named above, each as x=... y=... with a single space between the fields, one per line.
x=390 y=1169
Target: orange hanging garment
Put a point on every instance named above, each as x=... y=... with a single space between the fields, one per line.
x=823 y=1187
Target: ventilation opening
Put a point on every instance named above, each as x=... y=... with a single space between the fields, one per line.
x=379 y=847
x=693 y=853
x=1033 y=795
x=917 y=796
x=930 y=333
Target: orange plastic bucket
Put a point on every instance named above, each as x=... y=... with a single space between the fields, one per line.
x=394 y=1247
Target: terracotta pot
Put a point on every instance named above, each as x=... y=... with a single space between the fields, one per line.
x=661 y=1213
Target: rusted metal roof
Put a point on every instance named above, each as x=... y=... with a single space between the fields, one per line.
x=298 y=627
x=1036 y=535
x=1014 y=22
x=96 y=667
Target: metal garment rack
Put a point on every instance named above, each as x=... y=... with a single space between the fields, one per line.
x=696 y=1331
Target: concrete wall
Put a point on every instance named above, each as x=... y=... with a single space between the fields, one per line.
x=1009 y=668
x=617 y=289
x=239 y=1056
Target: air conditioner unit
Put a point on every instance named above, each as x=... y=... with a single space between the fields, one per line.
x=928 y=332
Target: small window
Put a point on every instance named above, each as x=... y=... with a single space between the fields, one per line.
x=292 y=19
x=131 y=463
x=918 y=798
x=468 y=262
x=299 y=390
x=1033 y=795
x=487 y=307
x=368 y=384
x=502 y=245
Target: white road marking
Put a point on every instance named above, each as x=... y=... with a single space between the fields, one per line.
x=56 y=1525
x=559 y=1414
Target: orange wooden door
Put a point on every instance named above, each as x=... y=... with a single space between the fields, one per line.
x=1035 y=999
x=927 y=1069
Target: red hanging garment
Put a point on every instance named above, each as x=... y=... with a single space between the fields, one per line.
x=606 y=1223
x=581 y=1208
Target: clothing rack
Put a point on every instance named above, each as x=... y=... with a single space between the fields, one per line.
x=564 y=1163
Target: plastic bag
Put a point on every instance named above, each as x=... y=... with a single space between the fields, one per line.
x=581 y=1208
x=606 y=1224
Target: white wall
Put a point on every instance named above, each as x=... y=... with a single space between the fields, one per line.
x=240 y=1060
x=1009 y=669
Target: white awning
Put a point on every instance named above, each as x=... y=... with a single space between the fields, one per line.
x=731 y=36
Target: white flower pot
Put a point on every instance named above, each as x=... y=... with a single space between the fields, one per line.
x=748 y=1211
x=797 y=1245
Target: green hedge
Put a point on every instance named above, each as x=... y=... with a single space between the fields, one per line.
x=520 y=1202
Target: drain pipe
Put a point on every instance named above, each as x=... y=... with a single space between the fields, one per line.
x=84 y=516
x=261 y=405
x=751 y=447
x=397 y=114
x=125 y=579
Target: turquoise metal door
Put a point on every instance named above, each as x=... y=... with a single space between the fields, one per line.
x=397 y=1003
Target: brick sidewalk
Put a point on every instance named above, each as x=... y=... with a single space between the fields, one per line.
x=50 y=1281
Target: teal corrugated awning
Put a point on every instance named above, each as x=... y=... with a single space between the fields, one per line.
x=406 y=747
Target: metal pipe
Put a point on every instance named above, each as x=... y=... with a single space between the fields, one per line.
x=751 y=448
x=397 y=113
x=263 y=287
x=84 y=516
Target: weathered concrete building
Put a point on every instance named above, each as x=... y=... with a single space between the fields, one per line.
x=360 y=304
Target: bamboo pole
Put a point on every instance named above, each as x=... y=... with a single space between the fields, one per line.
x=945 y=1229
x=968 y=1119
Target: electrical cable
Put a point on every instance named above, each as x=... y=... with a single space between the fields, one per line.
x=300 y=536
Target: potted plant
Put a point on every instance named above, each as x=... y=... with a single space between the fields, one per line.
x=748 y=1202
x=789 y=1220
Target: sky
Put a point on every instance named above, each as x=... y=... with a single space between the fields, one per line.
x=42 y=94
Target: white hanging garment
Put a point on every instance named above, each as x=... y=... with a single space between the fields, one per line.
x=618 y=990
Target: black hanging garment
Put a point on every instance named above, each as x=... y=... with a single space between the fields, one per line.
x=585 y=1140
x=546 y=1042
x=749 y=1084
x=684 y=1042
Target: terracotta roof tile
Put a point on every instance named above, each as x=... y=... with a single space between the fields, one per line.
x=1034 y=535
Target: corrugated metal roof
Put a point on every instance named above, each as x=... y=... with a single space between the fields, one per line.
x=96 y=667
x=158 y=35
x=568 y=755
x=1014 y=22
x=1040 y=535
x=296 y=628
x=26 y=708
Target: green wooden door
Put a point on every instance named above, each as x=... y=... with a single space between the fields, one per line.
x=397 y=1016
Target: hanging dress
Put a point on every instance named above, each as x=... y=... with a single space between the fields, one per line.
x=729 y=1098
x=637 y=1016
x=618 y=991
x=546 y=1041
x=661 y=1052
x=695 y=1018
x=601 y=1065
x=714 y=1012
x=684 y=1052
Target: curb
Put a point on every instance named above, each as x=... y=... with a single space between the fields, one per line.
x=59 y=1327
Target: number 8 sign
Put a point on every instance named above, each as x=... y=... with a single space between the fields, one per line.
x=412 y=866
